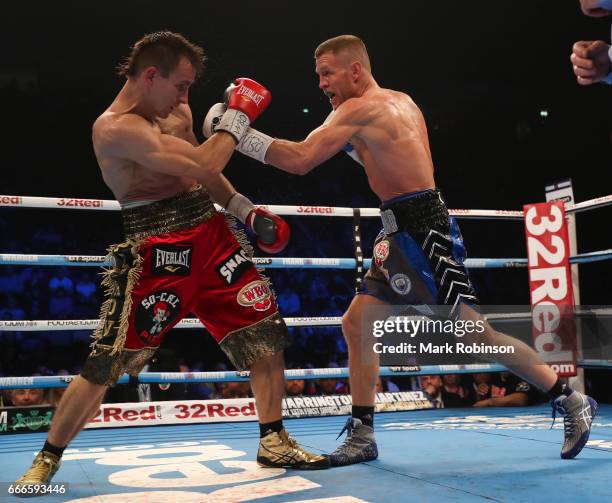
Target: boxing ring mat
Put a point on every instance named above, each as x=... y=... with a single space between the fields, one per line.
x=437 y=455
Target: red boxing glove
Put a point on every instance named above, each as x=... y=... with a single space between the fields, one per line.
x=272 y=231
x=247 y=96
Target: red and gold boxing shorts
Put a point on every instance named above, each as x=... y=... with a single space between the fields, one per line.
x=181 y=256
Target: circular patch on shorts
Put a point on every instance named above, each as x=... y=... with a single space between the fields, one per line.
x=400 y=283
x=155 y=312
x=256 y=295
x=381 y=252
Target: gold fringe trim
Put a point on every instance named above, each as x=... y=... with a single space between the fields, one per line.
x=132 y=271
x=249 y=344
x=132 y=279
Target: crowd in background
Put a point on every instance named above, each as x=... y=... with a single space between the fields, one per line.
x=501 y=389
x=70 y=293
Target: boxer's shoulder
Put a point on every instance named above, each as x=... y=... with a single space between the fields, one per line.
x=117 y=123
x=112 y=128
x=356 y=110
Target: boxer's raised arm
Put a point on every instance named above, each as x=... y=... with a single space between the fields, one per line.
x=321 y=144
x=220 y=188
x=132 y=137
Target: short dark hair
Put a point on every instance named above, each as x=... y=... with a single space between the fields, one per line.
x=162 y=49
x=347 y=43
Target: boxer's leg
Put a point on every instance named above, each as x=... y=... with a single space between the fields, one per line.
x=578 y=410
x=79 y=403
x=360 y=444
x=268 y=385
x=363 y=362
x=238 y=307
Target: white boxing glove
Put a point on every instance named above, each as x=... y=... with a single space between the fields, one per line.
x=213 y=119
x=253 y=143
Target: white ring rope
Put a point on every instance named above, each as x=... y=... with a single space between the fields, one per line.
x=40 y=325
x=286 y=262
x=302 y=321
x=330 y=211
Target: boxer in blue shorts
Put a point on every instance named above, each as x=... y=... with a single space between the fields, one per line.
x=418 y=256
x=418 y=259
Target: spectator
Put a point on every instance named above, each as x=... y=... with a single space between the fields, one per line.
x=592 y=59
x=508 y=390
x=385 y=385
x=27 y=396
x=328 y=386
x=332 y=386
x=240 y=389
x=481 y=389
x=432 y=386
x=294 y=387
x=454 y=394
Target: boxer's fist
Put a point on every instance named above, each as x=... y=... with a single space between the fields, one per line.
x=272 y=231
x=596 y=8
x=247 y=96
x=590 y=61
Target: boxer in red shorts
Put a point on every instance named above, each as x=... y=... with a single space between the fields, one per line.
x=180 y=255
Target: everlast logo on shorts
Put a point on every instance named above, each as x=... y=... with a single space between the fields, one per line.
x=171 y=259
x=234 y=266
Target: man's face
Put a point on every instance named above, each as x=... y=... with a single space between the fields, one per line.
x=21 y=397
x=451 y=379
x=294 y=387
x=169 y=92
x=328 y=385
x=334 y=78
x=431 y=384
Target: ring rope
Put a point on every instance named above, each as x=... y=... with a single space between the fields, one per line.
x=185 y=323
x=110 y=205
x=233 y=376
x=51 y=325
x=287 y=262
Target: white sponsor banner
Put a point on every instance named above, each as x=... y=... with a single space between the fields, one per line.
x=175 y=412
x=242 y=409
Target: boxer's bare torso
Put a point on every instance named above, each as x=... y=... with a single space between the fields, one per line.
x=392 y=143
x=128 y=180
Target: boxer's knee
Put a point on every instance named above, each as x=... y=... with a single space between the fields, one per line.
x=105 y=366
x=351 y=327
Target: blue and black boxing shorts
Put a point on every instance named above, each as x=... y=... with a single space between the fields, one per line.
x=418 y=256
